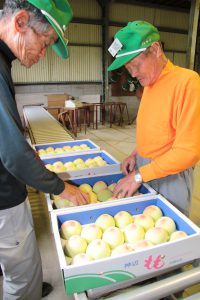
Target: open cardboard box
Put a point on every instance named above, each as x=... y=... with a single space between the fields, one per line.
x=126 y=269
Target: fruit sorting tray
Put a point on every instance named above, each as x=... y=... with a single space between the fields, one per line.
x=93 y=147
x=126 y=269
x=145 y=189
x=113 y=165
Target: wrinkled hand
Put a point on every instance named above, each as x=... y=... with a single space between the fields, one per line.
x=128 y=164
x=74 y=194
x=126 y=187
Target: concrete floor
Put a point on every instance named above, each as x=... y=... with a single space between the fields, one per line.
x=118 y=141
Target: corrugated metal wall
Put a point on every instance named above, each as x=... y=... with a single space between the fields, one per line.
x=85 y=63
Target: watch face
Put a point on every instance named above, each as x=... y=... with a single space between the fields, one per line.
x=138 y=178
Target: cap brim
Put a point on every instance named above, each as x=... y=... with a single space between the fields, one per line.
x=121 y=61
x=60 y=47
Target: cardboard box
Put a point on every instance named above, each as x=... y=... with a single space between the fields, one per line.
x=127 y=268
x=93 y=147
x=112 y=166
x=56 y=100
x=145 y=189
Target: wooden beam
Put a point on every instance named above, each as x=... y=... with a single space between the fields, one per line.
x=192 y=35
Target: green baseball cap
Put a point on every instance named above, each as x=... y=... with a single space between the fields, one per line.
x=59 y=14
x=130 y=41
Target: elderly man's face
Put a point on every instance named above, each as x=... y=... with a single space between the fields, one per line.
x=33 y=45
x=144 y=67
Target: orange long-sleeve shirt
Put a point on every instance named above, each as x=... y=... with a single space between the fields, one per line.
x=168 y=123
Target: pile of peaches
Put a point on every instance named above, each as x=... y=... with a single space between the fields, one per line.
x=58 y=150
x=111 y=236
x=99 y=192
x=77 y=164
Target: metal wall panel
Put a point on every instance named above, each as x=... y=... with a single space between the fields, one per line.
x=180 y=59
x=171 y=19
x=84 y=65
x=126 y=13
x=86 y=9
x=84 y=33
x=174 y=41
x=158 y=17
x=37 y=73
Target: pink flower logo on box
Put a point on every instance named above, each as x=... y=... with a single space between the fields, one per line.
x=156 y=263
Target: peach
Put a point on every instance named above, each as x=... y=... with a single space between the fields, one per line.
x=58 y=150
x=69 y=228
x=80 y=259
x=139 y=245
x=123 y=218
x=113 y=236
x=105 y=221
x=177 y=235
x=122 y=249
x=166 y=223
x=153 y=211
x=58 y=166
x=75 y=245
x=49 y=167
x=85 y=187
x=133 y=232
x=112 y=186
x=98 y=186
x=91 y=232
x=98 y=249
x=144 y=220
x=104 y=195
x=157 y=235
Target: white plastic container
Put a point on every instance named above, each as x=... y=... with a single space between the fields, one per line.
x=112 y=165
x=93 y=147
x=145 y=189
x=126 y=269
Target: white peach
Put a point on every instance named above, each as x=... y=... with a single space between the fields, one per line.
x=113 y=236
x=69 y=228
x=166 y=223
x=98 y=249
x=133 y=232
x=157 y=235
x=91 y=232
x=144 y=220
x=122 y=249
x=153 y=211
x=178 y=235
x=123 y=218
x=105 y=221
x=58 y=166
x=75 y=245
x=139 y=245
x=80 y=259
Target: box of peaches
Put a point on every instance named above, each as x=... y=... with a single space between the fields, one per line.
x=99 y=189
x=122 y=243
x=84 y=164
x=62 y=148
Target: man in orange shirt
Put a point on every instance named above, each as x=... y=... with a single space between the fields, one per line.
x=168 y=123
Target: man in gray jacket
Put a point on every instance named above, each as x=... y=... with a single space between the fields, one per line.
x=27 y=28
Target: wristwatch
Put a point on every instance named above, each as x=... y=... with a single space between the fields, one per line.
x=138 y=177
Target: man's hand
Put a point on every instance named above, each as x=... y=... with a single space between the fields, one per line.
x=74 y=194
x=126 y=187
x=128 y=164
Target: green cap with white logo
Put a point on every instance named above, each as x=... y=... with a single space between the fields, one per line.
x=59 y=15
x=130 y=41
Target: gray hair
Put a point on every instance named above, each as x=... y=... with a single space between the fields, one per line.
x=36 y=20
